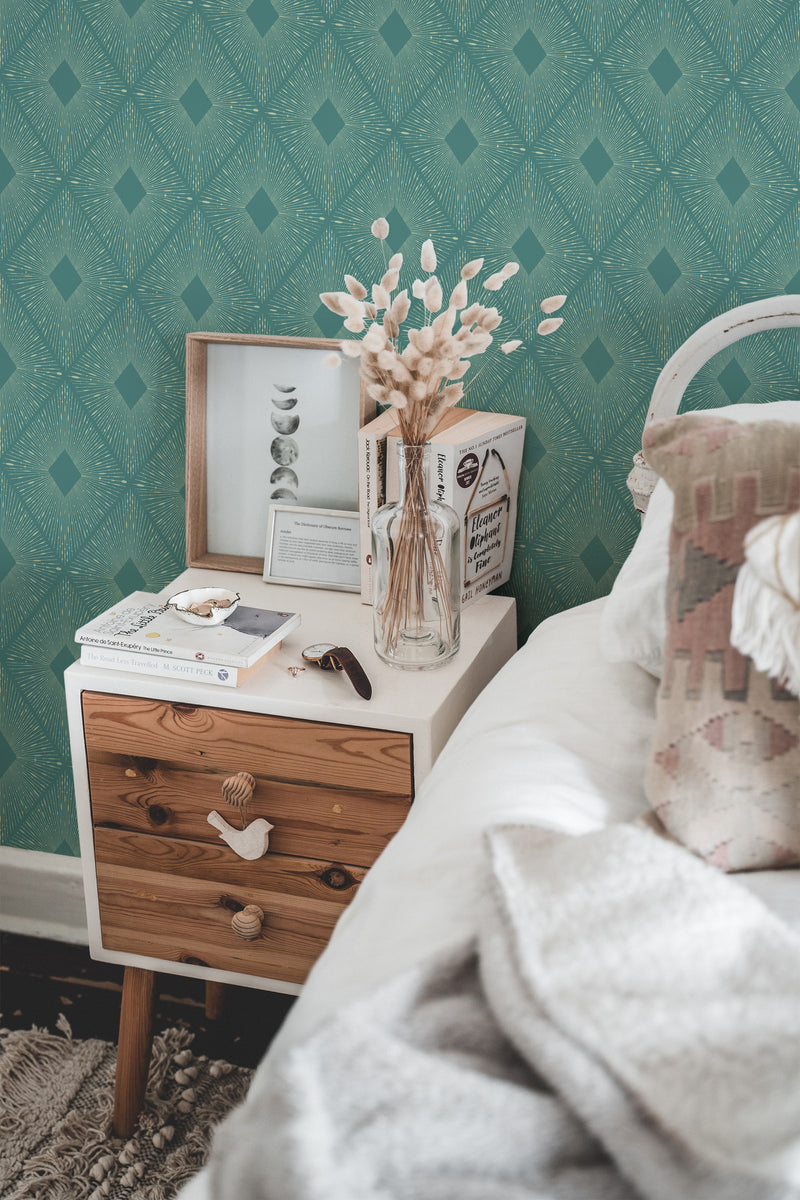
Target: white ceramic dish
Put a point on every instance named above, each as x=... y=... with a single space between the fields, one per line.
x=182 y=602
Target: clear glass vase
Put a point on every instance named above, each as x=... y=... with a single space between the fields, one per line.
x=416 y=571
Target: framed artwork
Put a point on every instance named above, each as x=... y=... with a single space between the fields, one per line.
x=313 y=547
x=266 y=422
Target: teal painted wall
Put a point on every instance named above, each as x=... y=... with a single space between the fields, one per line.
x=172 y=165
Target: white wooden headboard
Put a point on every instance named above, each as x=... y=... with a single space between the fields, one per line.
x=776 y=312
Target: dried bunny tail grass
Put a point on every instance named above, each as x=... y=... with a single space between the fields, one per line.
x=333 y=301
x=510 y=347
x=400 y=306
x=332 y=361
x=354 y=325
x=452 y=394
x=470 y=269
x=397 y=399
x=494 y=282
x=549 y=326
x=443 y=325
x=370 y=311
x=355 y=288
x=352 y=349
x=489 y=319
x=418 y=289
x=433 y=294
x=396 y=261
x=458 y=296
x=509 y=270
x=427 y=257
x=380 y=228
x=374 y=339
x=470 y=315
x=390 y=279
x=459 y=369
x=411 y=356
x=478 y=341
x=390 y=326
x=552 y=304
x=352 y=307
x=422 y=338
x=400 y=371
x=380 y=296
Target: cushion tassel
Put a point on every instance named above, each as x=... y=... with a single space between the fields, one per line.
x=765 y=617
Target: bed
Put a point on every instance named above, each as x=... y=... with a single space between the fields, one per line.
x=535 y=993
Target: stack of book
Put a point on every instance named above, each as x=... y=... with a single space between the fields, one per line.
x=476 y=460
x=140 y=634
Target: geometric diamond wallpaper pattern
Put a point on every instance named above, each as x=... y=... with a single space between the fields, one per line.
x=214 y=164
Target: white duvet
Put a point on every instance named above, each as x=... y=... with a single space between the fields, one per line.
x=558 y=739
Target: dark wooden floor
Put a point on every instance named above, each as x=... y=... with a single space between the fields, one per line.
x=40 y=979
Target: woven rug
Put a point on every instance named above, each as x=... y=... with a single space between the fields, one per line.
x=56 y=1101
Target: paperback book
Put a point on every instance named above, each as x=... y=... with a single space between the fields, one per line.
x=142 y=624
x=475 y=468
x=173 y=668
x=372 y=477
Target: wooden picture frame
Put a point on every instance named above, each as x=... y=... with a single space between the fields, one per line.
x=231 y=433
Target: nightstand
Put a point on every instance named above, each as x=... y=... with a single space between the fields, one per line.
x=334 y=774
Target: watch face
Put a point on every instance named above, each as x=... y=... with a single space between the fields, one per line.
x=312 y=653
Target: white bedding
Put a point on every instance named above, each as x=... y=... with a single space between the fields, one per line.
x=558 y=739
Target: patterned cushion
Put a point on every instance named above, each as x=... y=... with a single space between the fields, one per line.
x=724 y=772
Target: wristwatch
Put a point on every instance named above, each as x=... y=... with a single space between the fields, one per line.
x=339 y=658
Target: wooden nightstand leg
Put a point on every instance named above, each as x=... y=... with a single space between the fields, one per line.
x=135 y=1044
x=215 y=999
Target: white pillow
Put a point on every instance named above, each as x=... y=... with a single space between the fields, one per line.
x=633 y=624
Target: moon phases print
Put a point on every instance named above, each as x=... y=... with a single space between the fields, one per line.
x=284 y=477
x=284 y=422
x=284 y=449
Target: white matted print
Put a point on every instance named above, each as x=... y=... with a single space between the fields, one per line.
x=313 y=547
x=281 y=427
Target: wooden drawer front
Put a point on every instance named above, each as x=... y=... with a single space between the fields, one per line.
x=276 y=747
x=172 y=799
x=188 y=920
x=313 y=879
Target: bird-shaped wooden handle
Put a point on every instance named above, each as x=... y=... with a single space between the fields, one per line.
x=238 y=789
x=247 y=923
x=251 y=842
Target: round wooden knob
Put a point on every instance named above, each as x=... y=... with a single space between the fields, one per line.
x=238 y=789
x=247 y=923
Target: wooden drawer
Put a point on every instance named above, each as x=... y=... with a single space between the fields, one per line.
x=187 y=921
x=158 y=768
x=371 y=760
x=313 y=879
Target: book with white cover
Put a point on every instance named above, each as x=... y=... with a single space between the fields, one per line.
x=475 y=468
x=371 y=488
x=143 y=624
x=372 y=476
x=174 y=668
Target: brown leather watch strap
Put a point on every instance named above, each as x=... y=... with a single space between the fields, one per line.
x=344 y=660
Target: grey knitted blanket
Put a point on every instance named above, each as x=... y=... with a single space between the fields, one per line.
x=626 y=1024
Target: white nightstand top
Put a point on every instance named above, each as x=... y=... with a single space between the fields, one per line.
x=427 y=704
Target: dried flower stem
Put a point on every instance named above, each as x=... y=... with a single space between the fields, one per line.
x=421 y=381
x=416 y=562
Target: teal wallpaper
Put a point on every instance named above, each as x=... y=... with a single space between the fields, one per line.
x=174 y=165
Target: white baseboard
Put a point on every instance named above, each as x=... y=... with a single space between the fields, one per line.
x=41 y=895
